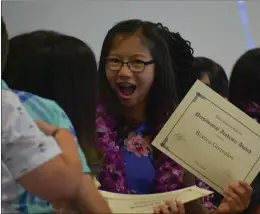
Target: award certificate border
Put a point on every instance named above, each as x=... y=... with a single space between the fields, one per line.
x=197 y=96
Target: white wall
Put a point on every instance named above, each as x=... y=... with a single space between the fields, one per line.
x=213 y=27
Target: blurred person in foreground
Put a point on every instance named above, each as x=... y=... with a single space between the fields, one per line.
x=61 y=68
x=32 y=158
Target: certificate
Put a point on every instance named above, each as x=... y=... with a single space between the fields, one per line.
x=123 y=203
x=212 y=139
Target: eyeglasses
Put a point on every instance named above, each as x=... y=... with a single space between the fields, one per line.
x=136 y=66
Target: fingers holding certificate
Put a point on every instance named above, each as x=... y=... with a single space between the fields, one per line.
x=171 y=207
x=237 y=198
x=215 y=141
x=168 y=202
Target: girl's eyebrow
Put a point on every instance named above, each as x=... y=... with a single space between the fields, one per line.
x=131 y=56
x=139 y=55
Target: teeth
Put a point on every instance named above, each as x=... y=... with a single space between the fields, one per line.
x=125 y=85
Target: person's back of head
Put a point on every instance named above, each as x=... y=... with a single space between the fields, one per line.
x=212 y=74
x=244 y=90
x=245 y=78
x=4 y=43
x=60 y=68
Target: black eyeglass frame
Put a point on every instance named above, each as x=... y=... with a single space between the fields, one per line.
x=145 y=63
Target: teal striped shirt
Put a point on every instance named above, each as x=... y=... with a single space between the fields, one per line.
x=49 y=112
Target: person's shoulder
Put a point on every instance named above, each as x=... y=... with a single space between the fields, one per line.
x=52 y=105
x=9 y=103
x=41 y=108
x=8 y=94
x=9 y=98
x=26 y=96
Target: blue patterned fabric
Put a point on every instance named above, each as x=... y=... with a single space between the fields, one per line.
x=140 y=172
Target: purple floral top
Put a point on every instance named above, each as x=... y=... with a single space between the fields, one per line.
x=129 y=159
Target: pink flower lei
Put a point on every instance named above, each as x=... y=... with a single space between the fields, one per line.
x=252 y=109
x=112 y=175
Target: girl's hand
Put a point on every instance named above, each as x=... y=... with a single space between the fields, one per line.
x=172 y=207
x=237 y=198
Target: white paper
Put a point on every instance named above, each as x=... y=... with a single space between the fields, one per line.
x=123 y=203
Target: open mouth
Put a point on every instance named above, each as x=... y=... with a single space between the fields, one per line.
x=126 y=89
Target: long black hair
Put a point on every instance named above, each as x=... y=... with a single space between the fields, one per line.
x=245 y=78
x=57 y=67
x=245 y=88
x=216 y=73
x=173 y=60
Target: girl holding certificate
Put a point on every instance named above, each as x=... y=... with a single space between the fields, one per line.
x=141 y=67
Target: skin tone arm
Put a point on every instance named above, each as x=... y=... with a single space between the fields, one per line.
x=49 y=175
x=88 y=199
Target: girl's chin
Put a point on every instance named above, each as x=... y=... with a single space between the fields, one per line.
x=128 y=103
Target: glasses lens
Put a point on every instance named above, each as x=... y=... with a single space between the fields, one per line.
x=113 y=64
x=136 y=66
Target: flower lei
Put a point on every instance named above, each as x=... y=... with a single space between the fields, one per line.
x=112 y=174
x=252 y=109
